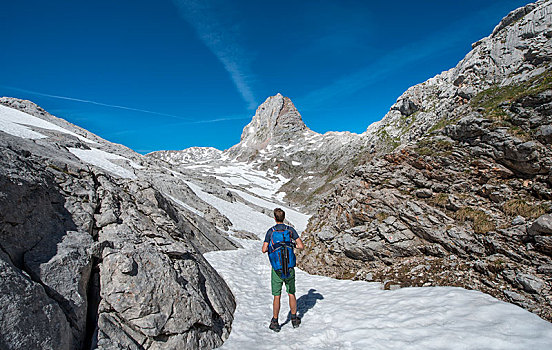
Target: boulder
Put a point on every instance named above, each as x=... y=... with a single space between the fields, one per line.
x=542 y=226
x=530 y=283
x=423 y=193
x=30 y=319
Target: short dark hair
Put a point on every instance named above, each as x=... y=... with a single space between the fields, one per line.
x=279 y=215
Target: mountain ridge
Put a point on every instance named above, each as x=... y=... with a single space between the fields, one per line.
x=515 y=52
x=464 y=197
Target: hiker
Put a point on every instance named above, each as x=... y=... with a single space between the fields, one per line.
x=279 y=242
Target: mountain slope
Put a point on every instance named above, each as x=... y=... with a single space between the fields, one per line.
x=518 y=50
x=100 y=246
x=466 y=202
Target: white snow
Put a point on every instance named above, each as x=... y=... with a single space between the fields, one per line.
x=280 y=196
x=294 y=163
x=135 y=165
x=343 y=314
x=265 y=183
x=101 y=159
x=15 y=122
x=242 y=216
x=299 y=220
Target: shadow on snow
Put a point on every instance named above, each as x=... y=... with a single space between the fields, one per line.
x=304 y=304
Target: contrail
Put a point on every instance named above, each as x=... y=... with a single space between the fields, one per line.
x=176 y=124
x=222 y=41
x=97 y=103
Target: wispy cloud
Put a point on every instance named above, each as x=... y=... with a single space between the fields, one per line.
x=222 y=41
x=175 y=125
x=95 y=103
x=182 y=120
x=369 y=75
x=407 y=55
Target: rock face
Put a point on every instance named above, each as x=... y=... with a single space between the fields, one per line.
x=464 y=199
x=518 y=50
x=100 y=247
x=276 y=122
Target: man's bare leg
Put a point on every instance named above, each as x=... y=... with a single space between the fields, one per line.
x=292 y=304
x=276 y=306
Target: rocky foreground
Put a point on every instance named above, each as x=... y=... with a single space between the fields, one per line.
x=106 y=256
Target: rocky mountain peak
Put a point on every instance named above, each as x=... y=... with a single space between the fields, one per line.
x=275 y=121
x=514 y=16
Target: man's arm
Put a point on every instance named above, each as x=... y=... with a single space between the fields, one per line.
x=299 y=244
x=265 y=247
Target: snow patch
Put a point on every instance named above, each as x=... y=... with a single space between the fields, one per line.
x=242 y=216
x=296 y=218
x=15 y=122
x=102 y=159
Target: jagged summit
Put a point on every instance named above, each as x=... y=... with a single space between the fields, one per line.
x=277 y=117
x=275 y=121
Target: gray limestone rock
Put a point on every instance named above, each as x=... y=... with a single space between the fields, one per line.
x=423 y=193
x=530 y=283
x=326 y=234
x=518 y=220
x=64 y=269
x=541 y=226
x=245 y=235
x=516 y=298
x=544 y=244
x=100 y=259
x=276 y=121
x=30 y=319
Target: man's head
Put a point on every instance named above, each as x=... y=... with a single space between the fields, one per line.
x=279 y=215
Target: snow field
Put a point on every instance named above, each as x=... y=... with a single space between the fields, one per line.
x=299 y=220
x=242 y=216
x=101 y=159
x=343 y=314
x=15 y=122
x=242 y=174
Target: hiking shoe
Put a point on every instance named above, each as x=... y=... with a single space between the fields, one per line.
x=295 y=322
x=274 y=325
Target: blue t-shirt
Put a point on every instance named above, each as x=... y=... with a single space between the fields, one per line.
x=280 y=227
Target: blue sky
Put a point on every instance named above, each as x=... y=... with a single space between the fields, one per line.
x=156 y=75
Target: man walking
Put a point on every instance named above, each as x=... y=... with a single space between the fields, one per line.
x=278 y=240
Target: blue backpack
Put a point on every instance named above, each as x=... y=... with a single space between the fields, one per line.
x=280 y=252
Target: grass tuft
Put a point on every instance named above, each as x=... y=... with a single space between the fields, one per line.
x=521 y=207
x=481 y=222
x=382 y=216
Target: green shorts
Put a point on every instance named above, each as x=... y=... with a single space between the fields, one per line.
x=276 y=283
